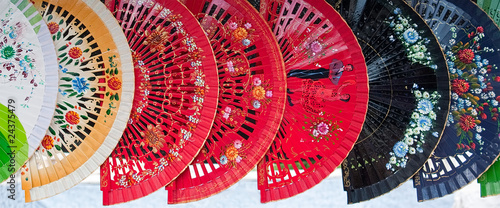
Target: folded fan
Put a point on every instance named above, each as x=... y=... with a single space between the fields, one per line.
x=28 y=79
x=175 y=98
x=94 y=101
x=470 y=140
x=408 y=99
x=252 y=84
x=327 y=96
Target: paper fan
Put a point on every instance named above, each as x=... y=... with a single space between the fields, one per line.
x=27 y=78
x=469 y=144
x=326 y=101
x=408 y=100
x=175 y=99
x=252 y=86
x=94 y=101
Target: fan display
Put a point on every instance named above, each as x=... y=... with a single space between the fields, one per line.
x=327 y=96
x=252 y=85
x=408 y=99
x=28 y=79
x=174 y=103
x=470 y=140
x=95 y=91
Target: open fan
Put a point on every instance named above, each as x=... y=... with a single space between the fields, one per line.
x=470 y=142
x=175 y=98
x=94 y=101
x=28 y=80
x=327 y=96
x=252 y=86
x=408 y=100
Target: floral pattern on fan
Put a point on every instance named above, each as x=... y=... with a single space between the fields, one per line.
x=17 y=58
x=322 y=128
x=156 y=111
x=472 y=92
x=233 y=153
x=408 y=34
x=421 y=123
x=83 y=89
x=261 y=92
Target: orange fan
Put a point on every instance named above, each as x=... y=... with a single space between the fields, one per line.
x=252 y=97
x=327 y=96
x=174 y=103
x=96 y=85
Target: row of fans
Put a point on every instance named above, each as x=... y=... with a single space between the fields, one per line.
x=192 y=95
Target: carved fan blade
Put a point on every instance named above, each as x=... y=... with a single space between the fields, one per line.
x=409 y=96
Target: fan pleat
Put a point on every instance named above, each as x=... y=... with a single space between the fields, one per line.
x=177 y=75
x=391 y=72
x=290 y=167
x=461 y=158
x=253 y=127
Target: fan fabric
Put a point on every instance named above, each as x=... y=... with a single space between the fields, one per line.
x=470 y=142
x=96 y=85
x=252 y=84
x=408 y=100
x=174 y=103
x=28 y=77
x=327 y=96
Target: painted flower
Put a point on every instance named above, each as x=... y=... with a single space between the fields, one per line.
x=53 y=27
x=114 y=83
x=323 y=128
x=153 y=137
x=240 y=33
x=47 y=142
x=256 y=104
x=247 y=25
x=480 y=29
x=412 y=150
x=7 y=52
x=75 y=52
x=425 y=106
x=238 y=159
x=424 y=123
x=223 y=160
x=156 y=39
x=400 y=149
x=410 y=35
x=258 y=92
x=231 y=153
x=409 y=140
x=257 y=81
x=80 y=84
x=233 y=25
x=72 y=117
x=269 y=94
x=237 y=144
x=392 y=160
x=467 y=122
x=399 y=27
x=315 y=47
x=459 y=86
x=245 y=42
x=466 y=56
x=315 y=133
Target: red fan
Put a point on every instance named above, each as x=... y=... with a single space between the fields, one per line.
x=174 y=103
x=251 y=104
x=327 y=96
